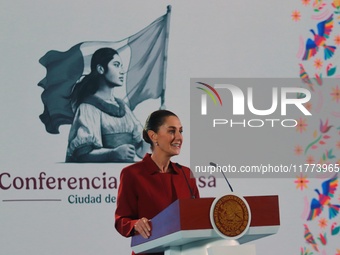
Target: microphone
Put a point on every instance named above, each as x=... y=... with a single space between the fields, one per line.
x=213 y=164
x=186 y=180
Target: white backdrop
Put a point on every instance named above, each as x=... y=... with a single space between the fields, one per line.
x=207 y=39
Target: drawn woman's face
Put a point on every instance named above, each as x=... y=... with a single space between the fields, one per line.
x=115 y=71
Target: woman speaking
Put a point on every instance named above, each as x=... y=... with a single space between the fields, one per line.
x=149 y=186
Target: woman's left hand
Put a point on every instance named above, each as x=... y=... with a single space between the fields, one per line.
x=143 y=227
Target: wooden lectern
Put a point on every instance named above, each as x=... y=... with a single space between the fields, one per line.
x=185 y=227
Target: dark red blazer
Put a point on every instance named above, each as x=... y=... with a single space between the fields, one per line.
x=144 y=192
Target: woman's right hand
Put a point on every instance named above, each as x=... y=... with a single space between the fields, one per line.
x=143 y=227
x=124 y=152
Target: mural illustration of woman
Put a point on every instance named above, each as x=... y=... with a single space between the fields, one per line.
x=104 y=128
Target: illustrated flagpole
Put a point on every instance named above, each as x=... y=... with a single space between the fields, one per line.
x=167 y=30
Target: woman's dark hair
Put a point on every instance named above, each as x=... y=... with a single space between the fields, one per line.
x=154 y=121
x=89 y=84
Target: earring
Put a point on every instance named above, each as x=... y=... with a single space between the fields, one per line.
x=157 y=144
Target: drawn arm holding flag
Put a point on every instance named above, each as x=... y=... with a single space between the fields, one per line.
x=104 y=128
